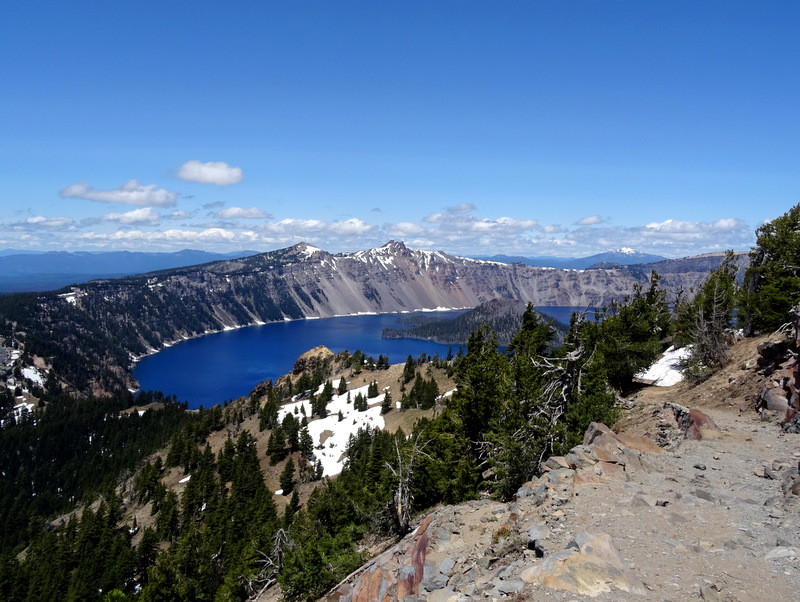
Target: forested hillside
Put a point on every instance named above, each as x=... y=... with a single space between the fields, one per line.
x=504 y=316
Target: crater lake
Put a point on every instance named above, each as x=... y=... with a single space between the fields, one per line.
x=214 y=368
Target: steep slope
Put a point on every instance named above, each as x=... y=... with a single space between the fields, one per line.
x=619 y=518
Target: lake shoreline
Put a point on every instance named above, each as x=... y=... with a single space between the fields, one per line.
x=135 y=359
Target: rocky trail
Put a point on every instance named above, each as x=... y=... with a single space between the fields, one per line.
x=621 y=518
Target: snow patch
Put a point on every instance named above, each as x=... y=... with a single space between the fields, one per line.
x=33 y=375
x=309 y=250
x=331 y=456
x=666 y=371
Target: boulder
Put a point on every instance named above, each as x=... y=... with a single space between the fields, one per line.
x=590 y=565
x=696 y=425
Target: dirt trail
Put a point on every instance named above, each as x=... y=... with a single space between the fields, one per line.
x=700 y=521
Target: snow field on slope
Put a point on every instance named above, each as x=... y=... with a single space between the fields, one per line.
x=332 y=454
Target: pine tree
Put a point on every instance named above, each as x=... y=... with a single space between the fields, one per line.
x=306 y=443
x=287 y=477
x=772 y=282
x=409 y=370
x=276 y=446
x=386 y=404
x=372 y=389
x=291 y=509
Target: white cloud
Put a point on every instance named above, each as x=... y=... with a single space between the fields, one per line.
x=145 y=215
x=301 y=228
x=404 y=230
x=295 y=226
x=213 y=172
x=351 y=227
x=590 y=220
x=50 y=222
x=179 y=214
x=172 y=236
x=241 y=213
x=461 y=209
x=673 y=228
x=130 y=193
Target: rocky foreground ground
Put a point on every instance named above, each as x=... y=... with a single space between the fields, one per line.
x=715 y=516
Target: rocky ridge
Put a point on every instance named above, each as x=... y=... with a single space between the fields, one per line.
x=710 y=514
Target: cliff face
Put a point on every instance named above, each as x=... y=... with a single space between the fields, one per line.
x=303 y=281
x=108 y=320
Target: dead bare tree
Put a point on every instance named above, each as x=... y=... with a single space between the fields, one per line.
x=403 y=499
x=269 y=565
x=562 y=377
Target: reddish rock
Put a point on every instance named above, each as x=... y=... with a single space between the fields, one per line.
x=695 y=424
x=640 y=444
x=391 y=576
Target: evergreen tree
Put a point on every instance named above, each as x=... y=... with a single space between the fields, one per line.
x=372 y=389
x=772 y=282
x=287 y=477
x=386 y=404
x=704 y=322
x=632 y=334
x=409 y=370
x=291 y=509
x=483 y=382
x=276 y=446
x=306 y=443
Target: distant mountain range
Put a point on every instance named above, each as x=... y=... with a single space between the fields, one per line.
x=30 y=271
x=622 y=256
x=25 y=271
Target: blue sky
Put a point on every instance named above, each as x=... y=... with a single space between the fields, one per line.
x=526 y=128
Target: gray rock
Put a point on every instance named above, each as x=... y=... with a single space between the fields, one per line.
x=535 y=539
x=561 y=476
x=703 y=495
x=433 y=580
x=709 y=592
x=510 y=586
x=446 y=566
x=780 y=552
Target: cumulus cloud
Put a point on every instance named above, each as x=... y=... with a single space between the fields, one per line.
x=403 y=230
x=590 y=220
x=213 y=172
x=55 y=223
x=293 y=225
x=679 y=229
x=145 y=215
x=461 y=209
x=300 y=228
x=172 y=236
x=351 y=227
x=435 y=218
x=130 y=193
x=179 y=214
x=241 y=213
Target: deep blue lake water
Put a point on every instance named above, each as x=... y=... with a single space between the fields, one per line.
x=218 y=367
